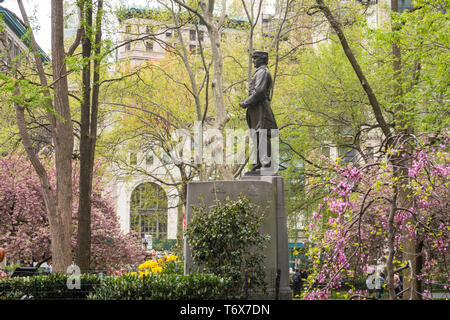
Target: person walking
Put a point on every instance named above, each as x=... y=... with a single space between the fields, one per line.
x=398 y=287
x=380 y=284
x=296 y=282
x=303 y=277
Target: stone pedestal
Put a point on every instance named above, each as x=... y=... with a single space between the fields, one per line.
x=266 y=192
x=282 y=246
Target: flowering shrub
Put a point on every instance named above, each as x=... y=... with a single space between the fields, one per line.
x=362 y=222
x=24 y=226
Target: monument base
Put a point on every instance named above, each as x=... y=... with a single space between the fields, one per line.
x=282 y=250
x=267 y=192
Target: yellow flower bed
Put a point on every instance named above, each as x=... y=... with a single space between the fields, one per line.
x=154 y=266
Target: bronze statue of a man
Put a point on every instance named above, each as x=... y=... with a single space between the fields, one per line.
x=259 y=115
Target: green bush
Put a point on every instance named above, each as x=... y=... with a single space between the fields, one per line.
x=174 y=267
x=124 y=287
x=226 y=240
x=46 y=287
x=163 y=244
x=163 y=287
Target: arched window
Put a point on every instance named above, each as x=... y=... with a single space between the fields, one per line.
x=148 y=212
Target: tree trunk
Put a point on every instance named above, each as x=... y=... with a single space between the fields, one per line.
x=47 y=192
x=410 y=246
x=88 y=132
x=217 y=84
x=219 y=101
x=206 y=13
x=217 y=87
x=391 y=238
x=63 y=140
x=58 y=204
x=412 y=250
x=85 y=185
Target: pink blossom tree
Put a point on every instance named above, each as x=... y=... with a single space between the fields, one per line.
x=24 y=226
x=361 y=223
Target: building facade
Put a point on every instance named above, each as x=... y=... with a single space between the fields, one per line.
x=144 y=203
x=12 y=38
x=153 y=48
x=146 y=35
x=11 y=44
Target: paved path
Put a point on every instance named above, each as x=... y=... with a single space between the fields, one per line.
x=440 y=295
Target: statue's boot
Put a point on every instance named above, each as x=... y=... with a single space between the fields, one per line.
x=267 y=165
x=256 y=167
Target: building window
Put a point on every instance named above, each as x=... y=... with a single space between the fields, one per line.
x=192 y=35
x=128 y=46
x=16 y=50
x=370 y=153
x=193 y=49
x=368 y=2
x=169 y=35
x=133 y=158
x=266 y=17
x=165 y=159
x=149 y=159
x=348 y=154
x=201 y=35
x=148 y=212
x=149 y=46
x=128 y=29
x=326 y=151
x=404 y=5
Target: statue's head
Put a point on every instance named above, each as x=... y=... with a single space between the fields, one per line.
x=260 y=58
